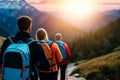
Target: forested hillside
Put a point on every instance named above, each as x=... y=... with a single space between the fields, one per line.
x=96 y=43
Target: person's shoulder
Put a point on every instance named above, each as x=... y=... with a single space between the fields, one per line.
x=33 y=42
x=50 y=42
x=8 y=39
x=61 y=42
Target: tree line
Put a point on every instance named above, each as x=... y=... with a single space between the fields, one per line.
x=96 y=43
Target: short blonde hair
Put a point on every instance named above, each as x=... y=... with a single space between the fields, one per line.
x=58 y=36
x=41 y=34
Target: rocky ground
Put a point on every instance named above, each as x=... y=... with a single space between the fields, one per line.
x=70 y=67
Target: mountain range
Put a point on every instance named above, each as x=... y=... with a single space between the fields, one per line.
x=11 y=10
x=94 y=21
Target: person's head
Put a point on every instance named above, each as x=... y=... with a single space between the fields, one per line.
x=41 y=34
x=24 y=23
x=58 y=36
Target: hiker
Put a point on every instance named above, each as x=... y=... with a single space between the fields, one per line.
x=65 y=53
x=37 y=54
x=56 y=57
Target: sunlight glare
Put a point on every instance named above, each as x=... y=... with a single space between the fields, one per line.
x=79 y=8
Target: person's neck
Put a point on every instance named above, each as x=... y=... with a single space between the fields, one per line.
x=26 y=31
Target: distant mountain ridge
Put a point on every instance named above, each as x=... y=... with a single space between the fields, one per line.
x=113 y=12
x=104 y=18
x=95 y=21
x=11 y=10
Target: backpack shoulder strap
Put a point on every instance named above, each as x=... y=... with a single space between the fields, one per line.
x=42 y=41
x=10 y=40
x=58 y=41
x=50 y=43
x=30 y=40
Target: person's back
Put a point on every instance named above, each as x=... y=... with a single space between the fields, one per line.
x=62 y=48
x=36 y=51
x=42 y=37
x=65 y=51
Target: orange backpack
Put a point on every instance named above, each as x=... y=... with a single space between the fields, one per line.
x=50 y=56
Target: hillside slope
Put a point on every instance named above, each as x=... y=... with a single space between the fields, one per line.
x=106 y=67
x=10 y=11
x=96 y=43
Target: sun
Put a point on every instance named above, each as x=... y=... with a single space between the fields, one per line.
x=79 y=8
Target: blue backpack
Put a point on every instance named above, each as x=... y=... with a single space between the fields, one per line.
x=62 y=49
x=16 y=61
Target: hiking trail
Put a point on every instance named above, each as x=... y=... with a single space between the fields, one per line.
x=70 y=67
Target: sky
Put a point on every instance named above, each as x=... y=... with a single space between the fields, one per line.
x=110 y=4
x=58 y=1
x=80 y=10
x=49 y=4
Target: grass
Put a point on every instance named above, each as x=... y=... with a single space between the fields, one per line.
x=1 y=40
x=106 y=67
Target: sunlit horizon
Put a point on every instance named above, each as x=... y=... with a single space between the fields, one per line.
x=103 y=5
x=79 y=8
x=77 y=12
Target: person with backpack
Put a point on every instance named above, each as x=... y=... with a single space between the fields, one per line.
x=53 y=55
x=20 y=54
x=65 y=53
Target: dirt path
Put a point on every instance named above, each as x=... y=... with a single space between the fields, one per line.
x=70 y=67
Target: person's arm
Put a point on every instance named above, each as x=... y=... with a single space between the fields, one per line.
x=68 y=53
x=57 y=52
